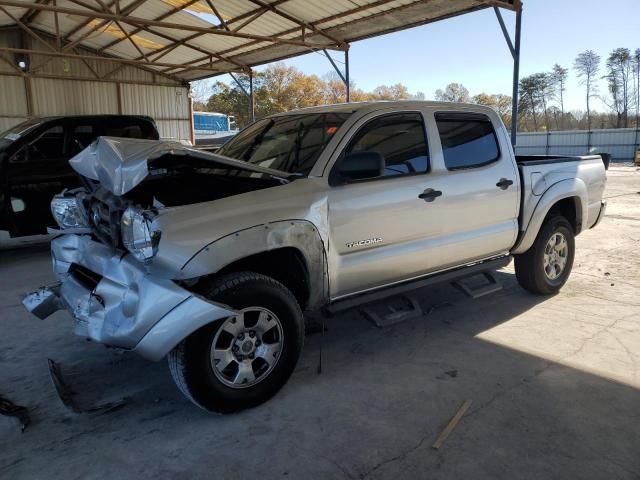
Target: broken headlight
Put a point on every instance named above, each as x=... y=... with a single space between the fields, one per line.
x=68 y=211
x=139 y=235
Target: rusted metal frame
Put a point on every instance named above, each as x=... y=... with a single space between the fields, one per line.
x=159 y=18
x=11 y=64
x=112 y=72
x=250 y=20
x=516 y=6
x=178 y=42
x=170 y=25
x=251 y=13
x=135 y=45
x=299 y=22
x=109 y=59
x=130 y=8
x=505 y=32
x=293 y=30
x=217 y=14
x=57 y=27
x=178 y=82
x=30 y=15
x=26 y=29
x=87 y=64
x=107 y=9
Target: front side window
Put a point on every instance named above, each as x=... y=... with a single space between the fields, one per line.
x=399 y=138
x=289 y=143
x=47 y=146
x=468 y=140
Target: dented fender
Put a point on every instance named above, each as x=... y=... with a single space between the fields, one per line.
x=299 y=234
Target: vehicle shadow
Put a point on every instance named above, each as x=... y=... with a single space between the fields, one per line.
x=380 y=401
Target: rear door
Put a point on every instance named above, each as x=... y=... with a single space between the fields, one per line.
x=476 y=214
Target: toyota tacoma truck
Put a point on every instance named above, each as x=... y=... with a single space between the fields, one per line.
x=211 y=259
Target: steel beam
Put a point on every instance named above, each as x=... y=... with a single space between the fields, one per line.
x=109 y=59
x=507 y=37
x=137 y=21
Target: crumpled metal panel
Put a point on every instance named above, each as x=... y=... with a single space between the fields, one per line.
x=119 y=164
x=127 y=303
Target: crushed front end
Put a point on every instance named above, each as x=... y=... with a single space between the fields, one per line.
x=101 y=259
x=115 y=302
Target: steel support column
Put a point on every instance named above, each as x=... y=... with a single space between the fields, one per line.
x=346 y=74
x=344 y=77
x=514 y=48
x=249 y=94
x=516 y=80
x=252 y=105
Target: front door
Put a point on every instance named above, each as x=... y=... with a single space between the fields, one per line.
x=35 y=173
x=377 y=224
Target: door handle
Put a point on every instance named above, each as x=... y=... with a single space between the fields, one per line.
x=504 y=183
x=429 y=195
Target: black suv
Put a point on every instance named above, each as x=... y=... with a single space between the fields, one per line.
x=34 y=163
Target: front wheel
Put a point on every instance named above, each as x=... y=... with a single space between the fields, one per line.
x=545 y=267
x=241 y=361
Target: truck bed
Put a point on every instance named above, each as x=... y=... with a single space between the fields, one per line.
x=531 y=160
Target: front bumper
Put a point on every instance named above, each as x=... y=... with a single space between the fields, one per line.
x=116 y=302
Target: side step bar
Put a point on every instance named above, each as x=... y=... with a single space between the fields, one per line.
x=443 y=277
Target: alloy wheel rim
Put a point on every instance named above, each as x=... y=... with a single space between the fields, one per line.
x=556 y=253
x=247 y=347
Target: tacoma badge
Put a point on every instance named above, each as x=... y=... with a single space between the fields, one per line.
x=364 y=243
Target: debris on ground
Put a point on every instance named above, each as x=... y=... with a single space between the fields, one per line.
x=451 y=425
x=10 y=409
x=67 y=394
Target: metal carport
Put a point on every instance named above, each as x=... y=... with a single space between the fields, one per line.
x=168 y=39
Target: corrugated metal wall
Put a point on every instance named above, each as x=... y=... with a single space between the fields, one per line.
x=621 y=143
x=57 y=86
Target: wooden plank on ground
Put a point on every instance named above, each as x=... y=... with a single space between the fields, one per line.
x=451 y=425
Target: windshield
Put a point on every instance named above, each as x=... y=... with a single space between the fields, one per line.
x=14 y=133
x=290 y=143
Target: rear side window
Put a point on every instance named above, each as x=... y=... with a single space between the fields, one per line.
x=131 y=130
x=468 y=140
x=399 y=138
x=81 y=137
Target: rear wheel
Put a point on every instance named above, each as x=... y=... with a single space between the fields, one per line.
x=241 y=361
x=546 y=266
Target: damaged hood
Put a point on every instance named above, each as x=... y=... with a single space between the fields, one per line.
x=119 y=164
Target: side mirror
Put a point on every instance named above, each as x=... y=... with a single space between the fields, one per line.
x=359 y=166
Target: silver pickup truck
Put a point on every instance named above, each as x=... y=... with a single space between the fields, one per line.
x=210 y=259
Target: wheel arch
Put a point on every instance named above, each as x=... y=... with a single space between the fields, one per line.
x=290 y=251
x=568 y=198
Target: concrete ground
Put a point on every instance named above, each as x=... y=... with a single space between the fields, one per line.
x=555 y=385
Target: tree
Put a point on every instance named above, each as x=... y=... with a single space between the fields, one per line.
x=587 y=64
x=529 y=99
x=559 y=76
x=536 y=91
x=619 y=73
x=391 y=92
x=500 y=103
x=454 y=92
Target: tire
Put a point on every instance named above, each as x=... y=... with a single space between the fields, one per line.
x=262 y=299
x=530 y=267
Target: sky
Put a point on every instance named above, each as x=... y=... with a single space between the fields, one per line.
x=470 y=49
